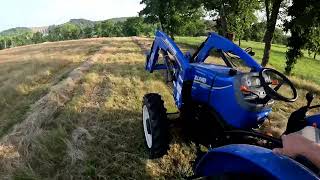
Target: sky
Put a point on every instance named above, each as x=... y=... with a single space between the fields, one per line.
x=36 y=13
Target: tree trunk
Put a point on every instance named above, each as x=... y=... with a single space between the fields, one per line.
x=162 y=27
x=314 y=56
x=266 y=2
x=268 y=36
x=239 y=42
x=172 y=36
x=223 y=21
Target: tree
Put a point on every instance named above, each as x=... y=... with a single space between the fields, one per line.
x=118 y=29
x=54 y=33
x=313 y=42
x=196 y=28
x=304 y=17
x=271 y=25
x=256 y=32
x=171 y=14
x=37 y=38
x=2 y=43
x=279 y=36
x=136 y=26
x=97 y=30
x=242 y=17
x=133 y=26
x=70 y=31
x=21 y=39
x=233 y=15
x=106 y=29
x=210 y=26
x=88 y=32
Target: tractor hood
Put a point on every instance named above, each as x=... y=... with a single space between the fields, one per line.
x=212 y=69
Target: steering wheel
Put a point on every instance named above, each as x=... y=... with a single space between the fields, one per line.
x=269 y=78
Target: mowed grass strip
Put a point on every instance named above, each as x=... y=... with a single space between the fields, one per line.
x=26 y=74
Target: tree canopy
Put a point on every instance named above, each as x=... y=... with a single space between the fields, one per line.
x=313 y=42
x=173 y=15
x=190 y=18
x=233 y=15
x=305 y=18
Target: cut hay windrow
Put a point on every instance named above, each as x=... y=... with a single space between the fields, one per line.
x=141 y=42
x=15 y=145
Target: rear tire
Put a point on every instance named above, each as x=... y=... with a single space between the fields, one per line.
x=155 y=125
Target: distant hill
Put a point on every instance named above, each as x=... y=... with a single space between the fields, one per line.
x=86 y=23
x=45 y=29
x=14 y=31
x=82 y=22
x=120 y=19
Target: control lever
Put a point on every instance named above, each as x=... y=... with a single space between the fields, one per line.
x=309 y=96
x=297 y=119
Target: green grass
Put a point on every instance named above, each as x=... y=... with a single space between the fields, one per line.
x=306 y=68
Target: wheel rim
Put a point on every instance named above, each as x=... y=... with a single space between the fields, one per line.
x=146 y=122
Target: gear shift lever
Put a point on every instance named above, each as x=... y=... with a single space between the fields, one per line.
x=310 y=96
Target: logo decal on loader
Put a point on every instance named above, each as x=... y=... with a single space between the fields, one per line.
x=200 y=79
x=172 y=49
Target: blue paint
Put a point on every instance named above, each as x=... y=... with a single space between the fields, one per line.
x=219 y=88
x=313 y=119
x=240 y=158
x=213 y=92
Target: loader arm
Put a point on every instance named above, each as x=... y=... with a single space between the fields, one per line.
x=217 y=42
x=181 y=67
x=164 y=43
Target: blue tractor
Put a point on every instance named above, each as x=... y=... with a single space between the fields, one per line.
x=221 y=105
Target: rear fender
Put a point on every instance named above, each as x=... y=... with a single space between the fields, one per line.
x=250 y=159
x=313 y=120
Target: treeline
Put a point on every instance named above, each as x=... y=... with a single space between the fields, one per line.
x=131 y=27
x=134 y=26
x=257 y=30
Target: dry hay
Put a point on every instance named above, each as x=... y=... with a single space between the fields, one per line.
x=16 y=145
x=75 y=147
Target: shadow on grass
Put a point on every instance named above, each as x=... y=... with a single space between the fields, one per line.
x=115 y=150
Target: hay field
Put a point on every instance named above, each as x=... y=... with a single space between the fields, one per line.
x=27 y=72
x=98 y=132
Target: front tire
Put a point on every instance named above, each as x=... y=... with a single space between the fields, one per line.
x=155 y=125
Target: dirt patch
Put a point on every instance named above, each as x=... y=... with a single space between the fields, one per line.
x=15 y=146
